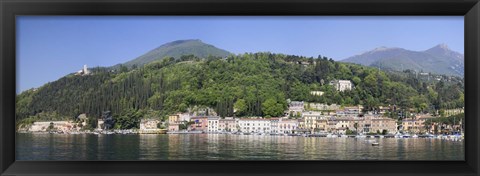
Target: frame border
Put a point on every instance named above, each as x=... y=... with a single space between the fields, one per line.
x=9 y=9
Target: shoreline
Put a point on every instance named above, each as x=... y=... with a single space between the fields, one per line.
x=129 y=132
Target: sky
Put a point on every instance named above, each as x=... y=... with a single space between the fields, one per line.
x=50 y=47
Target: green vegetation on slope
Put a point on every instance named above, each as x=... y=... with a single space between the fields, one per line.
x=255 y=84
x=176 y=49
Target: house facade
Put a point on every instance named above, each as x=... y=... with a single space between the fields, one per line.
x=287 y=126
x=229 y=124
x=342 y=85
x=149 y=126
x=213 y=123
x=199 y=123
x=257 y=125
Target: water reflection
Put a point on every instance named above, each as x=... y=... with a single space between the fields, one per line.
x=228 y=147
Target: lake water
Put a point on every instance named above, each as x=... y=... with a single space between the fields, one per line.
x=229 y=147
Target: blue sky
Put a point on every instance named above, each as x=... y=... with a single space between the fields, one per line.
x=49 y=47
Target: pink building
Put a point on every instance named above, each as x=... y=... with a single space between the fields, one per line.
x=199 y=124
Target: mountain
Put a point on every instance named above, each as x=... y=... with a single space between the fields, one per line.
x=178 y=48
x=439 y=59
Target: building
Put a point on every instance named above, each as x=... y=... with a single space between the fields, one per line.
x=353 y=110
x=83 y=71
x=342 y=125
x=322 y=107
x=410 y=125
x=418 y=124
x=321 y=125
x=199 y=124
x=255 y=125
x=379 y=124
x=301 y=126
x=342 y=85
x=452 y=112
x=149 y=126
x=295 y=108
x=287 y=126
x=213 y=123
x=229 y=124
x=383 y=110
x=274 y=122
x=332 y=126
x=184 y=117
x=424 y=120
x=358 y=121
x=316 y=93
x=174 y=122
x=58 y=126
x=310 y=120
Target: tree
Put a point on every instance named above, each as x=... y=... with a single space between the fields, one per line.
x=356 y=80
x=240 y=106
x=271 y=108
x=108 y=121
x=92 y=122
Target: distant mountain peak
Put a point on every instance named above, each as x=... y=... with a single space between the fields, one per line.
x=178 y=48
x=440 y=47
x=443 y=46
x=439 y=59
x=380 y=49
x=178 y=42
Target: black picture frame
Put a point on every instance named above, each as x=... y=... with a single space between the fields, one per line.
x=9 y=9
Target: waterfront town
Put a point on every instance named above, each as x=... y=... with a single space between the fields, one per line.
x=301 y=118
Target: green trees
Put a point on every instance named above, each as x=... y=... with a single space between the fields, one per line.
x=129 y=119
x=272 y=108
x=241 y=107
x=251 y=84
x=91 y=123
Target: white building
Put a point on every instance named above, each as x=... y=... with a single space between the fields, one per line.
x=274 y=125
x=83 y=71
x=287 y=126
x=252 y=125
x=317 y=93
x=342 y=85
x=149 y=126
x=184 y=117
x=213 y=123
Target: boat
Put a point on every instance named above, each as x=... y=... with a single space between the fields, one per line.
x=406 y=135
x=398 y=135
x=375 y=144
x=415 y=136
x=360 y=136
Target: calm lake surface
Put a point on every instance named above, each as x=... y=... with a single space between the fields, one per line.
x=229 y=147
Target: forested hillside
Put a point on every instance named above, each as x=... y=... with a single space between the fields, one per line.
x=177 y=49
x=254 y=84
